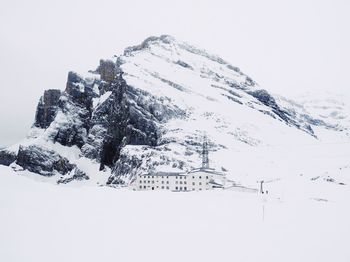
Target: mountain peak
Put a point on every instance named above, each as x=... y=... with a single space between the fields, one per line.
x=152 y=40
x=173 y=45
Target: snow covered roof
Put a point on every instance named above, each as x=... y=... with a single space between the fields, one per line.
x=165 y=174
x=207 y=170
x=193 y=171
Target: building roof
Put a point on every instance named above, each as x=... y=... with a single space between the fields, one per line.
x=165 y=174
x=207 y=171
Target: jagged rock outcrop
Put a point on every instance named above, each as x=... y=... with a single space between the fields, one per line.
x=108 y=70
x=47 y=108
x=43 y=161
x=7 y=157
x=77 y=175
x=264 y=97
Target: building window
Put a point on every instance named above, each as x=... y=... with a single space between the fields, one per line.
x=181 y=182
x=167 y=182
x=192 y=189
x=144 y=187
x=140 y=187
x=140 y=181
x=207 y=177
x=162 y=182
x=180 y=177
x=180 y=188
x=193 y=177
x=162 y=187
x=185 y=182
x=176 y=182
x=176 y=188
x=152 y=181
x=185 y=188
x=200 y=183
x=167 y=187
x=193 y=183
x=200 y=177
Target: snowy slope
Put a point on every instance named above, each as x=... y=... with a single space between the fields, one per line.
x=325 y=111
x=42 y=222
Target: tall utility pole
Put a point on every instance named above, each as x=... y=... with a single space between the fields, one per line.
x=205 y=153
x=261 y=186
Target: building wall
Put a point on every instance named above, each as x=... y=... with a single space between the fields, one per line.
x=188 y=182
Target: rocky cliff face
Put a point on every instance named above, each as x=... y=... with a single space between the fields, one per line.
x=47 y=108
x=146 y=111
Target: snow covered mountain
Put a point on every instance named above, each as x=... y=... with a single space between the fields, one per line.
x=147 y=111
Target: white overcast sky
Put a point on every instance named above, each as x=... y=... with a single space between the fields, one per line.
x=288 y=47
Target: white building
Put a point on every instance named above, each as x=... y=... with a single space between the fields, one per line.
x=199 y=179
x=173 y=181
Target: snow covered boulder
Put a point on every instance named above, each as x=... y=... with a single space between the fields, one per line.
x=43 y=161
x=7 y=157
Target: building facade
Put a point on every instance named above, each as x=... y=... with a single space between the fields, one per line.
x=173 y=182
x=199 y=179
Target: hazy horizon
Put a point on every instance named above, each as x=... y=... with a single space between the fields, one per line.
x=288 y=48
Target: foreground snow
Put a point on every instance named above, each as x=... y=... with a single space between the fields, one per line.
x=44 y=222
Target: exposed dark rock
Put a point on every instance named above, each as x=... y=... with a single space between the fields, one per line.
x=127 y=165
x=146 y=43
x=183 y=64
x=42 y=161
x=79 y=91
x=234 y=68
x=77 y=175
x=73 y=124
x=47 y=108
x=7 y=157
x=107 y=69
x=128 y=116
x=70 y=136
x=264 y=97
x=128 y=123
x=234 y=99
x=75 y=106
x=249 y=81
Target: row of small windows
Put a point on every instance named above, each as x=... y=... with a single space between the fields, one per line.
x=176 y=188
x=167 y=182
x=184 y=177
x=144 y=187
x=145 y=182
x=185 y=188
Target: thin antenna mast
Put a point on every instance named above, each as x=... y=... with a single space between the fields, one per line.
x=205 y=153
